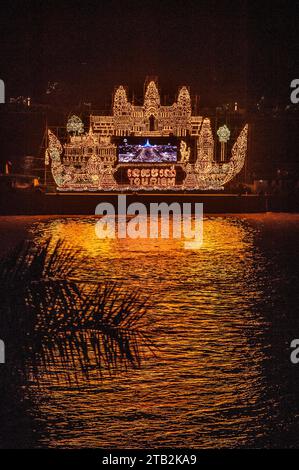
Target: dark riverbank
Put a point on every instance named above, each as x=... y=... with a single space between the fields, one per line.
x=29 y=203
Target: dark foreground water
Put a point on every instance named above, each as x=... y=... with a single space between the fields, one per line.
x=222 y=321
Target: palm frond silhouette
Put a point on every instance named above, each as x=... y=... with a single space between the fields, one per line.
x=61 y=327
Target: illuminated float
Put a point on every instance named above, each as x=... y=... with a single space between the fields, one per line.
x=147 y=147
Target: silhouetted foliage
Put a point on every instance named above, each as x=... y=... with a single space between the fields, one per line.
x=60 y=327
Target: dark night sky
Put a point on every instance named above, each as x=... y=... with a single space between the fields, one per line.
x=225 y=50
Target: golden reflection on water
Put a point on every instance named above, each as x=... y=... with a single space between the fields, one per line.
x=83 y=235
x=205 y=388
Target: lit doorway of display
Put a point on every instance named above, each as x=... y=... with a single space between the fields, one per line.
x=152 y=123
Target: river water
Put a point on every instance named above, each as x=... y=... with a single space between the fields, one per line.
x=222 y=318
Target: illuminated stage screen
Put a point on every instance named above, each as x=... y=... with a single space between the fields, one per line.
x=147 y=150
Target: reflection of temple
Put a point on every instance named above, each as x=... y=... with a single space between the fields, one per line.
x=88 y=161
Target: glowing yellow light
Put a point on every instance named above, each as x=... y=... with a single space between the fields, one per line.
x=88 y=161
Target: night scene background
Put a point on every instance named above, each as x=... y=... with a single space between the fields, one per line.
x=138 y=343
x=69 y=56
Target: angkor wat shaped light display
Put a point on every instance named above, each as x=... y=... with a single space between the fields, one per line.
x=145 y=147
